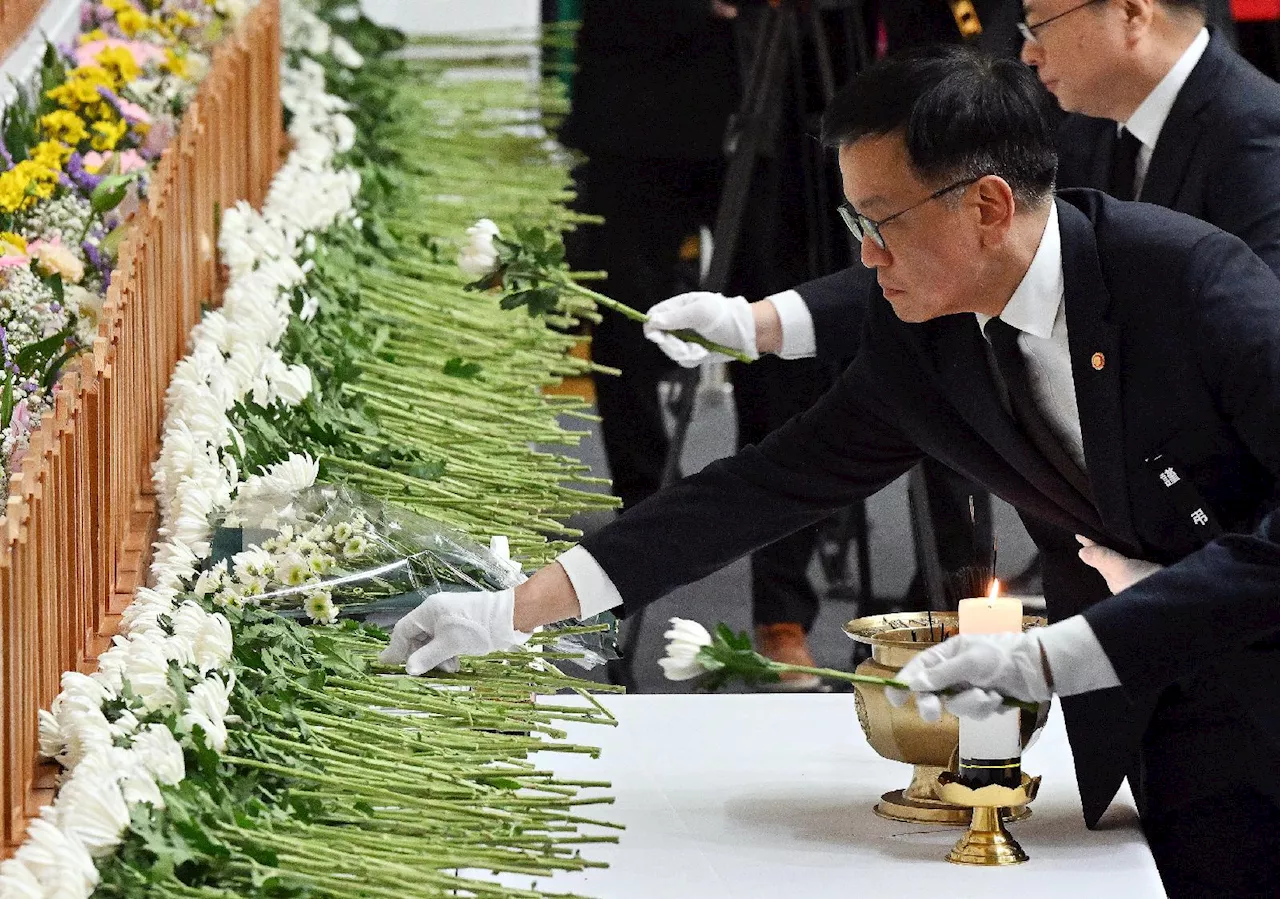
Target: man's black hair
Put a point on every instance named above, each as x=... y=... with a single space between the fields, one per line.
x=962 y=114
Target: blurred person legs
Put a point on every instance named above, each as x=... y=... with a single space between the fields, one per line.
x=649 y=206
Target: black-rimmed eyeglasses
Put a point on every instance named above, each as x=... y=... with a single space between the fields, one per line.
x=1028 y=31
x=862 y=227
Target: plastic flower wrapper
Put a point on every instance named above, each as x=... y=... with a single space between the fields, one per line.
x=329 y=551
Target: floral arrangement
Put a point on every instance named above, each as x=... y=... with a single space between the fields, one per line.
x=76 y=150
x=222 y=749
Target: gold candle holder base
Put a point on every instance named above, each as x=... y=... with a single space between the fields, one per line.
x=919 y=803
x=987 y=842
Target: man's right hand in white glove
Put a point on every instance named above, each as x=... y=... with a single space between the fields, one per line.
x=728 y=321
x=448 y=625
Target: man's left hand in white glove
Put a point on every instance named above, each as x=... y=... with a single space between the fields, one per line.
x=1065 y=658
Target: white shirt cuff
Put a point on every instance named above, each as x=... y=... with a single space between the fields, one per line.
x=596 y=592
x=798 y=339
x=1076 y=658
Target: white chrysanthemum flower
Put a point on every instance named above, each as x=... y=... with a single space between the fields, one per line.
x=157 y=751
x=52 y=739
x=685 y=640
x=254 y=562
x=208 y=704
x=124 y=725
x=74 y=684
x=85 y=732
x=18 y=882
x=320 y=608
x=356 y=547
x=292 y=476
x=292 y=385
x=146 y=671
x=52 y=854
x=344 y=53
x=94 y=811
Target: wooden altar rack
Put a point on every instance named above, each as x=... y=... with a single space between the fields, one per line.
x=81 y=515
x=16 y=19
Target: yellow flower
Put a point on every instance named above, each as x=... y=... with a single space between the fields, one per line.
x=25 y=183
x=90 y=36
x=120 y=63
x=12 y=244
x=117 y=6
x=107 y=134
x=184 y=19
x=51 y=154
x=81 y=87
x=64 y=125
x=175 y=63
x=132 y=22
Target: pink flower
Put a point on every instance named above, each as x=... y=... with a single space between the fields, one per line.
x=158 y=138
x=143 y=53
x=132 y=112
x=13 y=261
x=93 y=161
x=131 y=161
x=21 y=418
x=96 y=163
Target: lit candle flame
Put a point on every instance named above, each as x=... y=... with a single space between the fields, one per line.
x=995 y=589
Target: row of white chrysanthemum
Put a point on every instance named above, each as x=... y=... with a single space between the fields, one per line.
x=111 y=761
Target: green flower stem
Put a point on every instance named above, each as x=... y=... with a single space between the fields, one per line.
x=683 y=333
x=882 y=682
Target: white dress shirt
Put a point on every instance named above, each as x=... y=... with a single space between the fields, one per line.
x=1038 y=311
x=1148 y=119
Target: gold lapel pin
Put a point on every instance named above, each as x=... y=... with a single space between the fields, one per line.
x=1099 y=361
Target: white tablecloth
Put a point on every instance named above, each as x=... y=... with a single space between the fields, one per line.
x=728 y=797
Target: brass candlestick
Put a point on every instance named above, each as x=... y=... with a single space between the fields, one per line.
x=987 y=842
x=901 y=734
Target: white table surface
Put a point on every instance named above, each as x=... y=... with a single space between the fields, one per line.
x=740 y=796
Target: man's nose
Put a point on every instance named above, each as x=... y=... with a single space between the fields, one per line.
x=873 y=255
x=1032 y=53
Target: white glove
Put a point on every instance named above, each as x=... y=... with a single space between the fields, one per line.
x=1120 y=572
x=985 y=668
x=447 y=625
x=724 y=320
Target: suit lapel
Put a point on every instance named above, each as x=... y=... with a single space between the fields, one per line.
x=959 y=354
x=1182 y=130
x=1095 y=368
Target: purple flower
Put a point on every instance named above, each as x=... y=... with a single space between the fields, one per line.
x=4 y=154
x=86 y=181
x=98 y=260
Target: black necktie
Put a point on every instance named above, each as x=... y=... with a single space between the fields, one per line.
x=1003 y=338
x=1124 y=165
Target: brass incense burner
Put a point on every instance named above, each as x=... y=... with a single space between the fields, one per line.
x=900 y=734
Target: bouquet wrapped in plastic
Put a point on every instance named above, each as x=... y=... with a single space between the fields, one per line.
x=329 y=551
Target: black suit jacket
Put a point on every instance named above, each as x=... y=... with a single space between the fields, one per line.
x=1217 y=158
x=1188 y=324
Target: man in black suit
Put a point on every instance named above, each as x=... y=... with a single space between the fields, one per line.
x=1201 y=135
x=1078 y=357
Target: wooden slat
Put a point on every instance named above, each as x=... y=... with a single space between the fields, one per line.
x=80 y=517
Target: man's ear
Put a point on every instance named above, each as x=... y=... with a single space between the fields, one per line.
x=994 y=205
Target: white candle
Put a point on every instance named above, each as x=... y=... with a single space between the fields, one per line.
x=991 y=614
x=997 y=737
